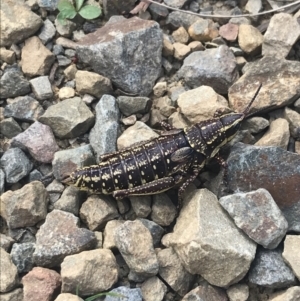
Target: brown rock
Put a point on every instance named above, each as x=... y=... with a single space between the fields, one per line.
x=180 y=35
x=95 y=270
x=205 y=291
x=8 y=272
x=203 y=30
x=41 y=284
x=66 y=92
x=173 y=272
x=177 y=121
x=196 y=46
x=277 y=135
x=18 y=22
x=26 y=206
x=181 y=51
x=283 y=31
x=250 y=38
x=92 y=83
x=275 y=91
x=68 y=297
x=15 y=295
x=291 y=294
x=139 y=132
x=96 y=211
x=168 y=48
x=36 y=58
x=8 y=56
x=201 y=103
x=291 y=253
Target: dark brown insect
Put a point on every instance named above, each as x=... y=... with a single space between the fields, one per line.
x=159 y=164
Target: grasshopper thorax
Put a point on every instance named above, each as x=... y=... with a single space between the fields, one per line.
x=207 y=137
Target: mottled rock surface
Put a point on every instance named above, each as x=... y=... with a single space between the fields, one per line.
x=59 y=237
x=136 y=41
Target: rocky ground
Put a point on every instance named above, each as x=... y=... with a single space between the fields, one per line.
x=70 y=93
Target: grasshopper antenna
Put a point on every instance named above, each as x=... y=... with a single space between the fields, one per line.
x=251 y=102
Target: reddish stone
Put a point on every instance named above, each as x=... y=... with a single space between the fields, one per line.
x=41 y=284
x=229 y=31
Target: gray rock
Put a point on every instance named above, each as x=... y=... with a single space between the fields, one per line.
x=206 y=292
x=35 y=175
x=294 y=122
x=132 y=105
x=177 y=19
x=282 y=33
x=63 y=61
x=66 y=29
x=131 y=294
x=135 y=244
x=9 y=127
x=13 y=84
x=141 y=205
x=208 y=242
x=105 y=52
x=9 y=273
x=18 y=22
x=70 y=200
x=23 y=235
x=163 y=210
x=66 y=161
x=41 y=87
x=39 y=140
x=272 y=168
x=24 y=108
x=156 y=230
x=175 y=3
x=21 y=256
x=103 y=136
x=69 y=118
x=173 y=272
x=2 y=180
x=255 y=124
x=158 y=11
x=15 y=164
x=47 y=32
x=50 y=5
x=59 y=237
x=269 y=270
x=114 y=8
x=26 y=206
x=213 y=67
x=257 y=214
x=96 y=211
x=95 y=270
x=58 y=49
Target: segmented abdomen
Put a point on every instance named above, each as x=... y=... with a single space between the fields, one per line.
x=130 y=168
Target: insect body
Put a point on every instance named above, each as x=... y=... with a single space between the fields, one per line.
x=159 y=164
